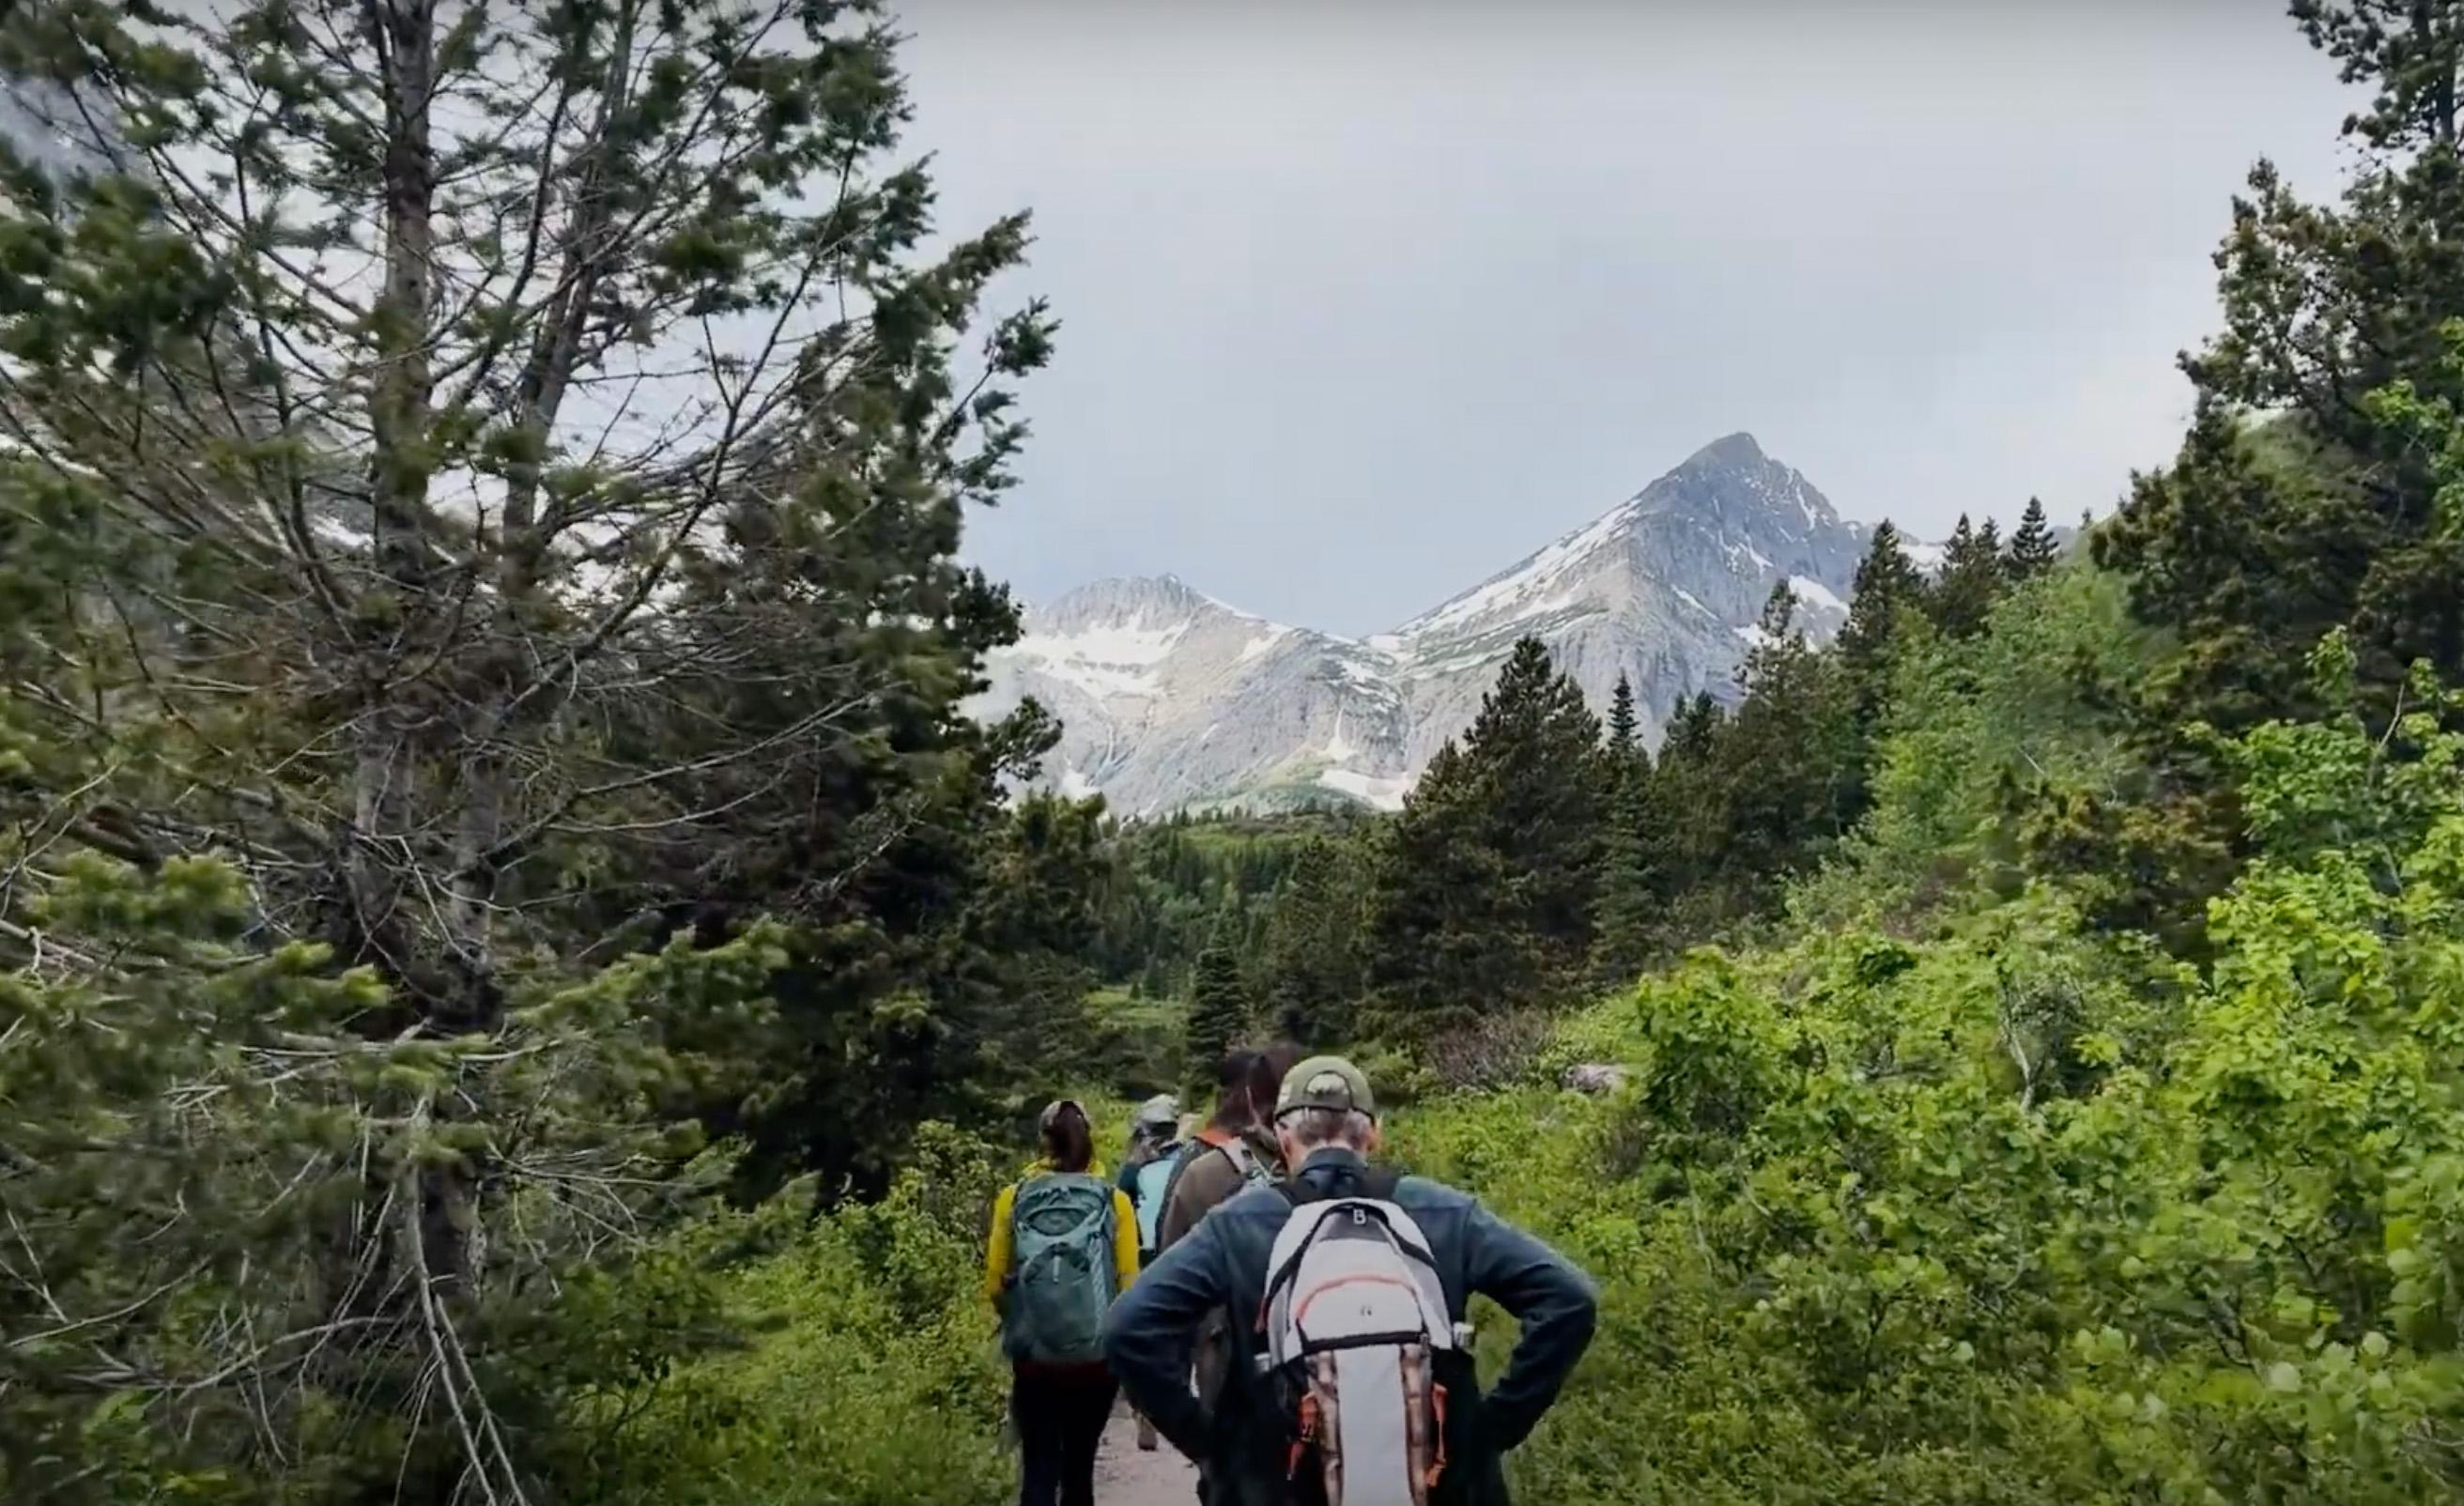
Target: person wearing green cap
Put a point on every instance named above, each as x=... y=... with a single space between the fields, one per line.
x=1250 y=1257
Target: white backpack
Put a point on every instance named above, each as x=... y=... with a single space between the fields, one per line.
x=1354 y=1321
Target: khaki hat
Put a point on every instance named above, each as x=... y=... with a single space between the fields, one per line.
x=1159 y=1110
x=1052 y=1112
x=1325 y=1083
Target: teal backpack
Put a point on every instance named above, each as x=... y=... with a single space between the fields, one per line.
x=1154 y=1190
x=1061 y=1229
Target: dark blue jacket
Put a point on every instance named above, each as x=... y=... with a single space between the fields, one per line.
x=1223 y=1265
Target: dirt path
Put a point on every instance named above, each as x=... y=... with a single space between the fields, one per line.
x=1126 y=1477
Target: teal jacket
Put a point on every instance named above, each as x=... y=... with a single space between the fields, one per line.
x=1221 y=1265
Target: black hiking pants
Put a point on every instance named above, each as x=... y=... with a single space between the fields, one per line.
x=1061 y=1416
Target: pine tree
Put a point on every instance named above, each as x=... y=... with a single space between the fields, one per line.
x=1535 y=748
x=1790 y=754
x=1689 y=792
x=1485 y=883
x=2034 y=550
x=1627 y=916
x=521 y=453
x=1218 y=1008
x=1971 y=579
x=1888 y=587
x=1313 y=956
x=1623 y=737
x=1623 y=759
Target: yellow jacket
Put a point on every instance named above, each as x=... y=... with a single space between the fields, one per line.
x=999 y=1255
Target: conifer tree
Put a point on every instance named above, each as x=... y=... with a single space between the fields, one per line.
x=2033 y=549
x=519 y=453
x=1690 y=791
x=1623 y=759
x=1888 y=587
x=1485 y=885
x=1219 y=1006
x=1790 y=754
x=1627 y=919
x=1443 y=944
x=1971 y=579
x=1622 y=724
x=2263 y=536
x=1313 y=958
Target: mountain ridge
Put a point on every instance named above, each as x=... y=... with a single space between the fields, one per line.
x=1171 y=699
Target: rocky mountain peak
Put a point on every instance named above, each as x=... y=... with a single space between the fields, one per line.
x=1150 y=601
x=1170 y=699
x=1737 y=452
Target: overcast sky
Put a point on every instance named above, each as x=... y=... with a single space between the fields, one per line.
x=1362 y=301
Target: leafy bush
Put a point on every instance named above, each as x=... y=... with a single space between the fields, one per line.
x=2026 y=1212
x=869 y=1378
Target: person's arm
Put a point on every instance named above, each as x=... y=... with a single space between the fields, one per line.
x=997 y=1247
x=1149 y=1332
x=1125 y=1242
x=1551 y=1299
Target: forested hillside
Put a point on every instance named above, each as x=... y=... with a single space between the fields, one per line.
x=518 y=981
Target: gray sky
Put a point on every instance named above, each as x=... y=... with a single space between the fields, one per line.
x=1362 y=301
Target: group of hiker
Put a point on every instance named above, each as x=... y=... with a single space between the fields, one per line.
x=1287 y=1313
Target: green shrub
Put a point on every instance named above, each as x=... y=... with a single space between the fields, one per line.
x=869 y=1377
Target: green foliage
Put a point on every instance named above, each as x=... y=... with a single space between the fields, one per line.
x=1980 y=734
x=2028 y=1211
x=1484 y=882
x=218 y=1189
x=1218 y=1011
x=865 y=1375
x=1314 y=966
x=1973 y=573
x=2034 y=548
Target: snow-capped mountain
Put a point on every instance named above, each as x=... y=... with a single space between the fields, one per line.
x=1169 y=699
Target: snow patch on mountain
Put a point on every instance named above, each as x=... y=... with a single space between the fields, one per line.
x=1171 y=700
x=1814 y=593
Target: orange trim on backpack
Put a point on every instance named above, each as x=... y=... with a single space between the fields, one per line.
x=1437 y=1405
x=1307 y=1434
x=1370 y=1278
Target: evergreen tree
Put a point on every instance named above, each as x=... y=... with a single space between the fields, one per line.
x=2033 y=549
x=1971 y=579
x=1443 y=946
x=2338 y=321
x=1622 y=723
x=1627 y=919
x=1790 y=757
x=1314 y=958
x=1888 y=588
x=1623 y=759
x=1689 y=792
x=1534 y=749
x=1218 y=1008
x=520 y=453
x=1487 y=882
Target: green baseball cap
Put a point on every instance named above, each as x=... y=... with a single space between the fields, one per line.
x=1325 y=1083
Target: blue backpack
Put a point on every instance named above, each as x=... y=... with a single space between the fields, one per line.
x=1061 y=1227
x=1154 y=1188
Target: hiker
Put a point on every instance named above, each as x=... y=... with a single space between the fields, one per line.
x=1235 y=1148
x=1146 y=1170
x=1063 y=1246
x=1368 y=1398
x=1146 y=1175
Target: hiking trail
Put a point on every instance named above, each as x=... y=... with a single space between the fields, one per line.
x=1124 y=1476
